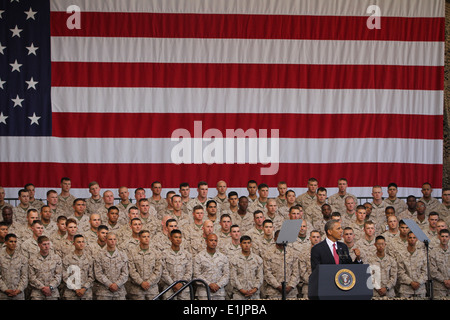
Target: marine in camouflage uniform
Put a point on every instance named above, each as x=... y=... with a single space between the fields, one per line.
x=384 y=270
x=111 y=271
x=177 y=265
x=145 y=269
x=13 y=270
x=78 y=264
x=246 y=272
x=412 y=270
x=440 y=266
x=273 y=260
x=44 y=272
x=213 y=267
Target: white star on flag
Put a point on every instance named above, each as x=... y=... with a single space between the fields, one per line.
x=16 y=32
x=3 y=118
x=17 y=101
x=1 y=83
x=30 y=14
x=32 y=49
x=34 y=119
x=32 y=84
x=15 y=66
x=1 y=49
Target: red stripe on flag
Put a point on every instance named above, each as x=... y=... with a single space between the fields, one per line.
x=123 y=125
x=188 y=25
x=236 y=175
x=202 y=75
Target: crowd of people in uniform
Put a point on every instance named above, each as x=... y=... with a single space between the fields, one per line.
x=106 y=249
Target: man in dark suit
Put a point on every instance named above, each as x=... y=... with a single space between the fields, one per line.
x=330 y=250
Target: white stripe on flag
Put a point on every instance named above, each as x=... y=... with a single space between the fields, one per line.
x=392 y=8
x=234 y=100
x=162 y=150
x=175 y=50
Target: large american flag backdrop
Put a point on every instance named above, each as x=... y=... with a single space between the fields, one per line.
x=349 y=99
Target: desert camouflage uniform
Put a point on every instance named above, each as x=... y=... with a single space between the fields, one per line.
x=221 y=236
x=389 y=237
x=319 y=226
x=64 y=247
x=20 y=215
x=93 y=205
x=212 y=269
x=159 y=205
x=161 y=241
x=195 y=202
x=281 y=203
x=398 y=204
x=431 y=205
x=255 y=234
x=384 y=273
x=299 y=245
x=144 y=265
x=366 y=247
x=397 y=247
x=259 y=246
x=433 y=237
x=440 y=270
x=358 y=230
x=152 y=224
x=273 y=260
x=257 y=205
x=305 y=200
x=56 y=236
x=129 y=245
x=50 y=228
x=346 y=219
x=444 y=212
x=304 y=267
x=103 y=212
x=90 y=236
x=378 y=212
x=338 y=202
x=192 y=231
x=412 y=267
x=277 y=220
x=37 y=204
x=422 y=224
x=176 y=266
x=314 y=213
x=182 y=220
x=284 y=212
x=216 y=222
x=43 y=272
x=109 y=269
x=84 y=266
x=24 y=232
x=82 y=222
x=222 y=205
x=13 y=274
x=30 y=247
x=66 y=204
x=246 y=273
x=406 y=214
x=245 y=222
x=228 y=248
x=196 y=245
x=58 y=212
x=124 y=208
